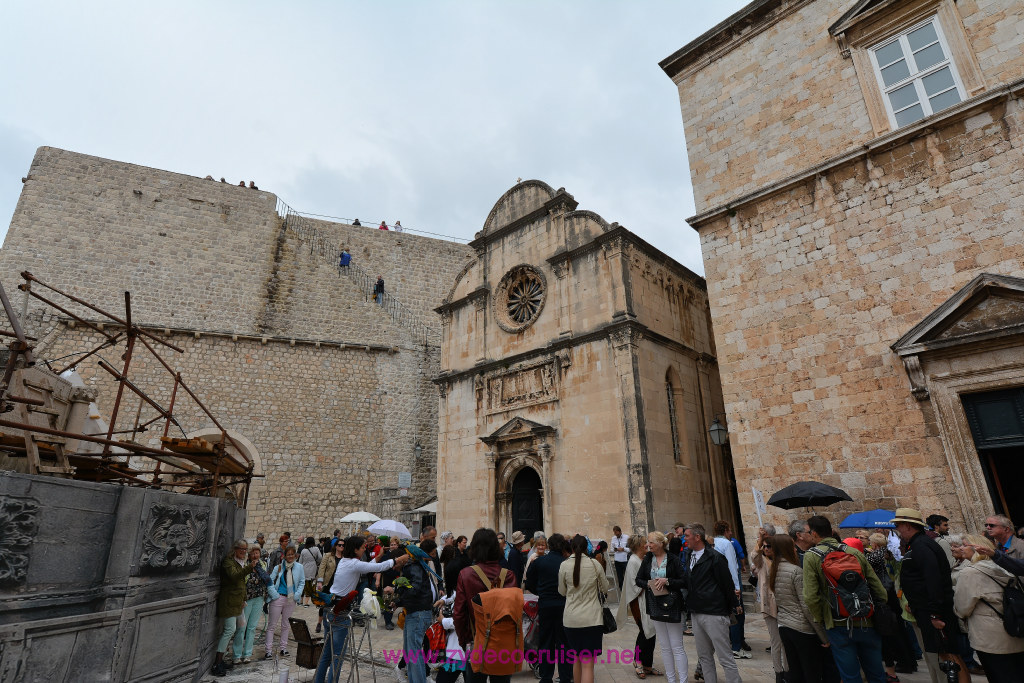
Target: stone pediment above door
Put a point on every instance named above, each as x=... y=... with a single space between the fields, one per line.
x=518 y=429
x=988 y=311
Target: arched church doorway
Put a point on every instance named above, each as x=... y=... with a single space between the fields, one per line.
x=526 y=502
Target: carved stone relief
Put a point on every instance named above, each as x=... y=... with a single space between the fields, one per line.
x=174 y=539
x=18 y=526
x=521 y=387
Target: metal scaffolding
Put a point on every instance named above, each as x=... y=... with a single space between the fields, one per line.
x=41 y=435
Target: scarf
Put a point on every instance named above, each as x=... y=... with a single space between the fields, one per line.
x=286 y=585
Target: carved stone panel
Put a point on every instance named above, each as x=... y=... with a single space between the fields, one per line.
x=522 y=387
x=18 y=526
x=174 y=539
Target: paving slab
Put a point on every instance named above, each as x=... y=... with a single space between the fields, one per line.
x=757 y=668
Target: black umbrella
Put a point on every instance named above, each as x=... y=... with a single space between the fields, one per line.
x=807 y=494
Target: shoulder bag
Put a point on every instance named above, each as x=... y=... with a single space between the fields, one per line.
x=667 y=608
x=608 y=624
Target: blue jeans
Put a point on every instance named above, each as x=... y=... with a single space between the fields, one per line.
x=244 y=637
x=416 y=625
x=851 y=652
x=736 y=632
x=335 y=634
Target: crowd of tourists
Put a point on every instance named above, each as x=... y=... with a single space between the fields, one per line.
x=835 y=609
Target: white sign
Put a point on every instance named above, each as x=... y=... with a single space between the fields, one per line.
x=404 y=480
x=759 y=506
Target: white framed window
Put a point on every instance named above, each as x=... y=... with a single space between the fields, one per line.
x=916 y=74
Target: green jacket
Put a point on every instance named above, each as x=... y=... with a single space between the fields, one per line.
x=816 y=589
x=231 y=599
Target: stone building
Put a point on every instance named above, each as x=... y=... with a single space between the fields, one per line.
x=329 y=393
x=578 y=379
x=857 y=170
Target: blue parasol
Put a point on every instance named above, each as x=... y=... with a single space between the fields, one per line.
x=869 y=519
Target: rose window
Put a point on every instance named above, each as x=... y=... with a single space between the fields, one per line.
x=519 y=298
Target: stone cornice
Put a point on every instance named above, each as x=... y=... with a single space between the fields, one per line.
x=448 y=307
x=606 y=331
x=237 y=336
x=712 y=45
x=619 y=232
x=561 y=197
x=924 y=127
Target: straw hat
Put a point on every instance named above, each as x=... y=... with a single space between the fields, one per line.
x=517 y=537
x=908 y=515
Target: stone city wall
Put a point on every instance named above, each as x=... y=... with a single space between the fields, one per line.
x=201 y=256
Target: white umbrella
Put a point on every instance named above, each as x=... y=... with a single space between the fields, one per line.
x=360 y=517
x=390 y=527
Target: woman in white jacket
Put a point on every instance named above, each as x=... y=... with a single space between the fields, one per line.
x=978 y=599
x=633 y=602
x=288 y=579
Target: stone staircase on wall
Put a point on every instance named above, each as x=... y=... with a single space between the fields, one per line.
x=319 y=245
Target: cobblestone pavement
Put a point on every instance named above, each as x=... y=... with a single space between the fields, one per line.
x=758 y=668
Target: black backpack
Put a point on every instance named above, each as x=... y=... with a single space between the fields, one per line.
x=1013 y=606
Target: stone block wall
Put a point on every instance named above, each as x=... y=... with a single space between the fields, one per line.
x=337 y=396
x=781 y=97
x=419 y=271
x=809 y=288
x=194 y=253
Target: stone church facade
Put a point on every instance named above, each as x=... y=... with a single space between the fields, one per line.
x=578 y=379
x=857 y=175
x=328 y=393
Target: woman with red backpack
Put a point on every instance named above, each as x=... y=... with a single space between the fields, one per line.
x=474 y=583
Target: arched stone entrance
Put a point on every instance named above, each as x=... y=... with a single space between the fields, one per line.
x=527 y=514
x=520 y=476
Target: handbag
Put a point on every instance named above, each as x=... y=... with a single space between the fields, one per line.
x=608 y=623
x=667 y=608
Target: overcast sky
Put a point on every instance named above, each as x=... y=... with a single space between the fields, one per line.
x=420 y=111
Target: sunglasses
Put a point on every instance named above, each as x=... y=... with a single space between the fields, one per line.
x=994 y=526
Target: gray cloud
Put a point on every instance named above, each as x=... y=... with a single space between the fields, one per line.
x=424 y=112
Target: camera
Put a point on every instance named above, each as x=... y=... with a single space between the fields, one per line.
x=951 y=669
